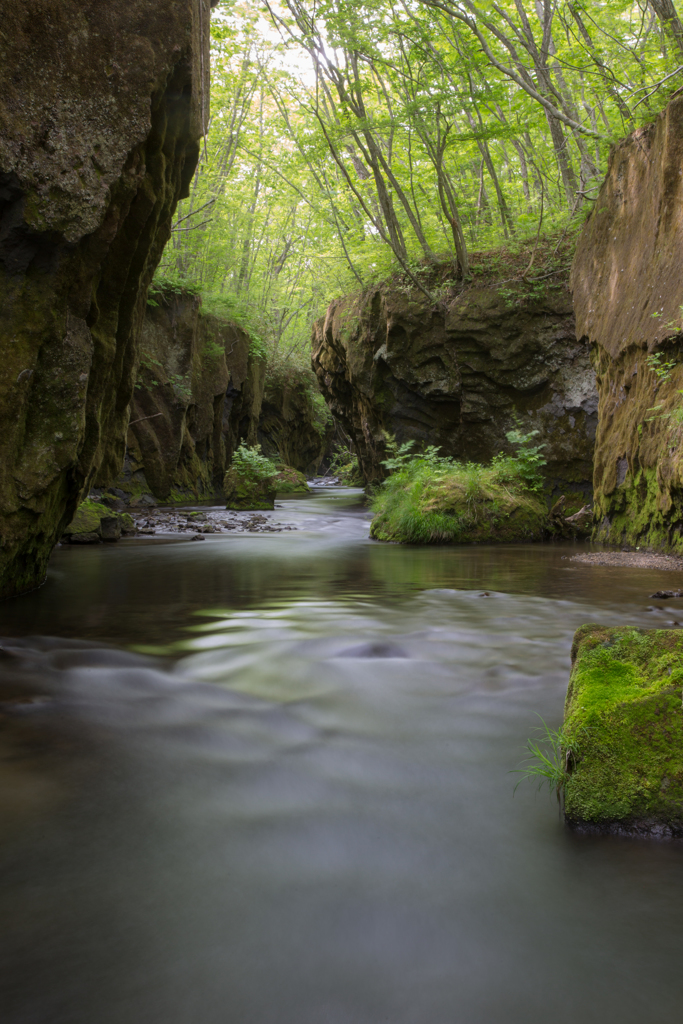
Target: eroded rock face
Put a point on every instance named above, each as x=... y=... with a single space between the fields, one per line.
x=198 y=394
x=628 y=291
x=456 y=377
x=101 y=111
x=295 y=426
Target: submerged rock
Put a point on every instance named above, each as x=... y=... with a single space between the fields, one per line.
x=457 y=375
x=628 y=296
x=103 y=106
x=624 y=731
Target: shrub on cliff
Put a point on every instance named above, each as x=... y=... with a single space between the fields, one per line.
x=428 y=499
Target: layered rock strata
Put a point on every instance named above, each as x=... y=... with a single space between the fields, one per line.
x=198 y=393
x=102 y=109
x=456 y=376
x=628 y=296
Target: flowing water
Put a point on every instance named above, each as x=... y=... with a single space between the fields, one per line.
x=293 y=804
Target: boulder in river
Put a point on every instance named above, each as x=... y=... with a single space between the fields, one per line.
x=623 y=730
x=94 y=522
x=288 y=480
x=247 y=491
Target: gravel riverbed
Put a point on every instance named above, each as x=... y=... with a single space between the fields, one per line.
x=200 y=523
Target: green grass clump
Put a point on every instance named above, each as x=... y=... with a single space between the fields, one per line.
x=624 y=703
x=438 y=501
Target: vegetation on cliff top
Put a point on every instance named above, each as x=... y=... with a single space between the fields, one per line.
x=352 y=140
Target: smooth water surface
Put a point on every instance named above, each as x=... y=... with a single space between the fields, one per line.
x=303 y=812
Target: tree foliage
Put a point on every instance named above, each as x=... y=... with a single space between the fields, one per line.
x=350 y=139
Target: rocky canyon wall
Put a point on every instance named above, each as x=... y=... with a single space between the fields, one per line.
x=295 y=425
x=456 y=376
x=198 y=393
x=102 y=106
x=628 y=296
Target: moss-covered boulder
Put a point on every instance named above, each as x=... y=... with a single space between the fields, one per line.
x=624 y=731
x=461 y=504
x=248 y=492
x=290 y=481
x=95 y=522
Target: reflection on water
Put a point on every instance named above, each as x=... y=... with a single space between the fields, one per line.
x=145 y=590
x=305 y=816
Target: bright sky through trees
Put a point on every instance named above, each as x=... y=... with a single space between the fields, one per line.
x=349 y=139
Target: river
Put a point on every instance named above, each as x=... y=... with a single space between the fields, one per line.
x=267 y=780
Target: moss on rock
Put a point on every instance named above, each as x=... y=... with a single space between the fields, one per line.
x=198 y=393
x=295 y=425
x=290 y=481
x=458 y=375
x=247 y=492
x=628 y=290
x=468 y=504
x=94 y=522
x=624 y=731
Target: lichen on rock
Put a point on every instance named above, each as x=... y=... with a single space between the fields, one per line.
x=624 y=731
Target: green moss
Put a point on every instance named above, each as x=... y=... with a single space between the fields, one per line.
x=245 y=492
x=88 y=516
x=290 y=481
x=638 y=513
x=624 y=724
x=463 y=504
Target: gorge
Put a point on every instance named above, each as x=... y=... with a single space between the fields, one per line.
x=356 y=327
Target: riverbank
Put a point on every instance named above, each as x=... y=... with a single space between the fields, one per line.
x=630 y=559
